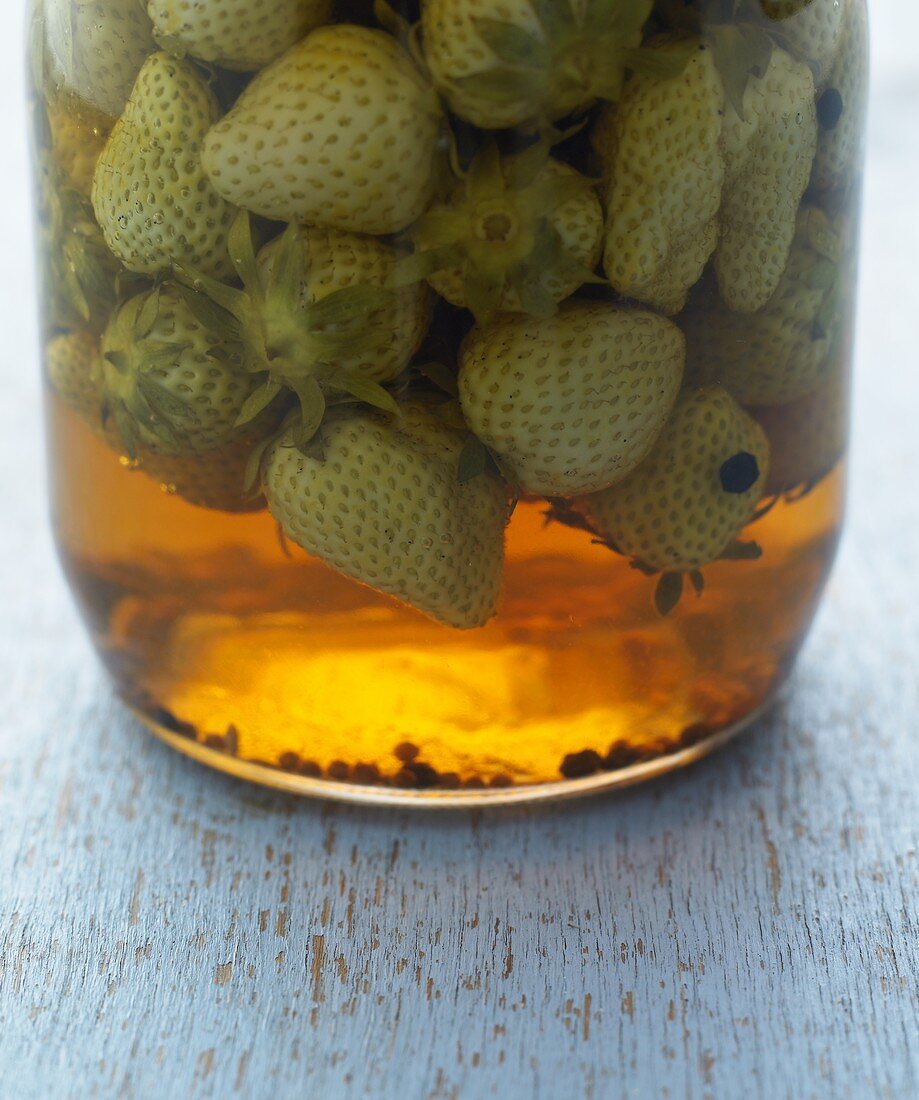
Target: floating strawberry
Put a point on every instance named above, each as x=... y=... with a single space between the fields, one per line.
x=216 y=480
x=93 y=49
x=812 y=29
x=661 y=151
x=234 y=34
x=696 y=491
x=384 y=504
x=807 y=438
x=517 y=234
x=170 y=382
x=74 y=369
x=571 y=404
x=342 y=131
x=841 y=108
x=151 y=198
x=307 y=322
x=332 y=261
x=769 y=153
x=784 y=351
x=500 y=65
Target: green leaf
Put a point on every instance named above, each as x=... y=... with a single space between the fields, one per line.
x=366 y=390
x=504 y=86
x=698 y=581
x=485 y=179
x=556 y=17
x=285 y=280
x=473 y=460
x=349 y=304
x=660 y=64
x=242 y=251
x=147 y=315
x=312 y=411
x=668 y=593
x=411 y=270
x=512 y=44
x=257 y=401
x=441 y=375
x=233 y=301
x=740 y=52
x=207 y=313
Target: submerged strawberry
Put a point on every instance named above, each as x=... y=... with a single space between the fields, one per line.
x=769 y=152
x=696 y=491
x=383 y=503
x=235 y=34
x=152 y=200
x=571 y=404
x=332 y=261
x=216 y=480
x=502 y=64
x=307 y=323
x=93 y=49
x=661 y=152
x=812 y=29
x=841 y=108
x=341 y=131
x=74 y=370
x=807 y=438
x=171 y=383
x=517 y=234
x=784 y=351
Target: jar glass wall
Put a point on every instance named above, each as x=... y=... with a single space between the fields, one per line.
x=448 y=403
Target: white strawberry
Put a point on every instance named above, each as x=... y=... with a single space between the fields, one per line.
x=808 y=437
x=517 y=234
x=571 y=404
x=341 y=131
x=93 y=49
x=74 y=370
x=813 y=30
x=384 y=505
x=841 y=108
x=151 y=198
x=235 y=34
x=662 y=157
x=333 y=261
x=696 y=491
x=170 y=382
x=313 y=317
x=784 y=351
x=503 y=63
x=769 y=153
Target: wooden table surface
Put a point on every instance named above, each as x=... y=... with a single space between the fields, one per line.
x=746 y=929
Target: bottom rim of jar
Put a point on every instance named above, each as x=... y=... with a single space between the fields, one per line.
x=562 y=790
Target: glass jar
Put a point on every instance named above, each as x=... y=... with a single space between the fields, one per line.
x=448 y=405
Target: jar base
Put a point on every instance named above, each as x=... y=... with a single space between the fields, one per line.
x=267 y=775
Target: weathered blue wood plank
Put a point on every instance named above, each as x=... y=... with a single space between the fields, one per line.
x=748 y=929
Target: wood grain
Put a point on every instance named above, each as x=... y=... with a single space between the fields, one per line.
x=747 y=929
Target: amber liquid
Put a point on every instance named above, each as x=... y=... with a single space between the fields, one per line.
x=216 y=630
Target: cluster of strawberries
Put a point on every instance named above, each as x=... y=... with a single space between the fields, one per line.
x=592 y=251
